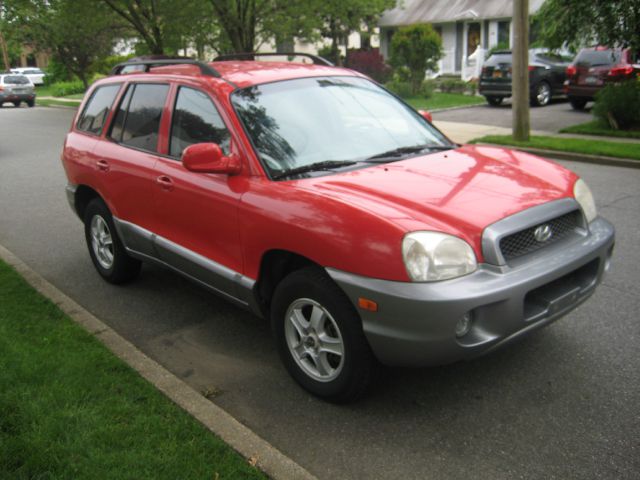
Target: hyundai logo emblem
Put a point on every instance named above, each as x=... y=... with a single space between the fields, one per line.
x=542 y=233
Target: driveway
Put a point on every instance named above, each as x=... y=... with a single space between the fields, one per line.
x=551 y=118
x=562 y=404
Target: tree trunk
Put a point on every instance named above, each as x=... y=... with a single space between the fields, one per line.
x=520 y=78
x=5 y=53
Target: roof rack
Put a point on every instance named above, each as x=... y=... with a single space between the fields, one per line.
x=317 y=60
x=149 y=63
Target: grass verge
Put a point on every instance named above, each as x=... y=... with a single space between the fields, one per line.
x=45 y=102
x=596 y=127
x=443 y=100
x=70 y=409
x=575 y=145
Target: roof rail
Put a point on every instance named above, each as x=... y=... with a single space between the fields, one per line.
x=317 y=60
x=149 y=63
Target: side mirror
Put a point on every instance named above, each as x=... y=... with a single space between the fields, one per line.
x=208 y=158
x=426 y=115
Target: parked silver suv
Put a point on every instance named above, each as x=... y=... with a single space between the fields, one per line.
x=16 y=89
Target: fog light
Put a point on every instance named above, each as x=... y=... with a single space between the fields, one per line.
x=464 y=325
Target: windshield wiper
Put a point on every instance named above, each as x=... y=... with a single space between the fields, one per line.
x=402 y=151
x=314 y=167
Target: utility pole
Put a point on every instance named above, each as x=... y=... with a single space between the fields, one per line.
x=520 y=76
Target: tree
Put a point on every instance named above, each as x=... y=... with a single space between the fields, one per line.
x=417 y=47
x=576 y=22
x=165 y=25
x=78 y=34
x=340 y=18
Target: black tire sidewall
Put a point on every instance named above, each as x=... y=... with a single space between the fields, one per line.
x=124 y=267
x=534 y=99
x=314 y=284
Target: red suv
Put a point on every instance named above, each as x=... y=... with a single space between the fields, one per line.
x=316 y=199
x=593 y=68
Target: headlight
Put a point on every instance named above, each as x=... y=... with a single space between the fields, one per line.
x=433 y=256
x=585 y=199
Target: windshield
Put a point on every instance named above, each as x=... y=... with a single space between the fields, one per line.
x=298 y=123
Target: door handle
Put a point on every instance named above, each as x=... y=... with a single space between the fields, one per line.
x=102 y=165
x=165 y=182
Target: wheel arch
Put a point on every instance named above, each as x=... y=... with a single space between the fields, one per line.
x=83 y=195
x=275 y=265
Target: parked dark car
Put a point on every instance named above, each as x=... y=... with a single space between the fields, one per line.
x=547 y=73
x=593 y=68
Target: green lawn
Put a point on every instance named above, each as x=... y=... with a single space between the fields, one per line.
x=443 y=100
x=45 y=102
x=597 y=127
x=590 y=147
x=70 y=409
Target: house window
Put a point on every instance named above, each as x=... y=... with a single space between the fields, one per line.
x=503 y=33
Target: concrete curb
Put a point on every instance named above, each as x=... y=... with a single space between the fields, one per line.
x=266 y=457
x=459 y=107
x=576 y=157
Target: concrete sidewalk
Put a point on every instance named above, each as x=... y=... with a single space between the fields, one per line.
x=465 y=132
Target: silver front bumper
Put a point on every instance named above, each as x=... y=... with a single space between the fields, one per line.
x=415 y=322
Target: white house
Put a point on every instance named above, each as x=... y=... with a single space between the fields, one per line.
x=469 y=28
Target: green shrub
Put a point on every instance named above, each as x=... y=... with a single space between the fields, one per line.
x=472 y=86
x=62 y=89
x=417 y=47
x=618 y=104
x=56 y=72
x=453 y=86
x=402 y=89
x=427 y=89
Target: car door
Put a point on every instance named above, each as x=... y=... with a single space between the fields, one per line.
x=126 y=162
x=197 y=213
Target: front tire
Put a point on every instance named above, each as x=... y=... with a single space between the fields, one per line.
x=494 y=101
x=105 y=247
x=577 y=103
x=542 y=95
x=319 y=336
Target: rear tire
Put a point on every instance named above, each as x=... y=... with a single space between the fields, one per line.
x=494 y=101
x=105 y=248
x=16 y=104
x=577 y=103
x=319 y=336
x=31 y=103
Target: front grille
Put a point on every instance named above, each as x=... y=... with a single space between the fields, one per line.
x=524 y=241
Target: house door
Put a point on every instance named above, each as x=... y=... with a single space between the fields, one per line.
x=473 y=37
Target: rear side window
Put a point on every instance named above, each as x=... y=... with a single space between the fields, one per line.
x=196 y=120
x=138 y=119
x=596 y=58
x=97 y=109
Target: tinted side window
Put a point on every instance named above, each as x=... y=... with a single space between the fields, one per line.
x=97 y=109
x=138 y=120
x=196 y=120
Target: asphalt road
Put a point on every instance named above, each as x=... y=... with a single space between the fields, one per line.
x=562 y=404
x=551 y=118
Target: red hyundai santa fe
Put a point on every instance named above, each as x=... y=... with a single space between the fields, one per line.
x=315 y=198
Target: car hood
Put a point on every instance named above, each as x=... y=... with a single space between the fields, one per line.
x=459 y=191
